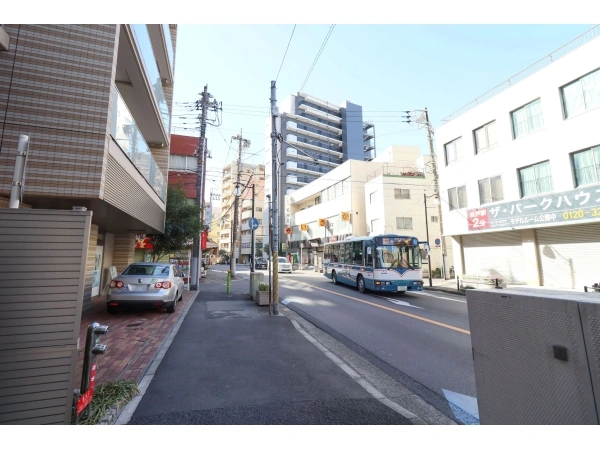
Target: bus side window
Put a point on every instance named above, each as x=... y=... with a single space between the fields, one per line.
x=369 y=249
x=357 y=254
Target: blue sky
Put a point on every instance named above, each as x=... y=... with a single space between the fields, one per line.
x=384 y=68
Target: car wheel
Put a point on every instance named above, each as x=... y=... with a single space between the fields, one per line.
x=111 y=309
x=334 y=277
x=361 y=284
x=171 y=309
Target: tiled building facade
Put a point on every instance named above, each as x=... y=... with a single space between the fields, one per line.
x=96 y=102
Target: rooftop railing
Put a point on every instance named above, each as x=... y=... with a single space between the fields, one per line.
x=535 y=67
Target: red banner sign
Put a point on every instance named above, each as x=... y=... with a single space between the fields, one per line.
x=478 y=219
x=203 y=239
x=143 y=241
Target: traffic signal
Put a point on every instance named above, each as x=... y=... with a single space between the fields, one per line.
x=322 y=222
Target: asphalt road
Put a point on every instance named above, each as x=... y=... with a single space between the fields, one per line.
x=420 y=339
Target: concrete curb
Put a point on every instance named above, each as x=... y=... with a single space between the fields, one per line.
x=124 y=416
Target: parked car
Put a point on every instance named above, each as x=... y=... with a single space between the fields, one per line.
x=261 y=263
x=284 y=265
x=147 y=285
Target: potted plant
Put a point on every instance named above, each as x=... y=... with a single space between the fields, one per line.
x=262 y=294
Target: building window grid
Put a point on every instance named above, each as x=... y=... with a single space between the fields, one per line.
x=434 y=219
x=453 y=151
x=457 y=198
x=401 y=194
x=581 y=95
x=372 y=197
x=486 y=137
x=404 y=223
x=535 y=179
x=183 y=162
x=586 y=165
x=527 y=119
x=490 y=190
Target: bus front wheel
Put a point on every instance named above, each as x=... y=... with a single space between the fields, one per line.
x=334 y=277
x=361 y=284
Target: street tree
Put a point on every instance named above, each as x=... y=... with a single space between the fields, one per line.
x=182 y=224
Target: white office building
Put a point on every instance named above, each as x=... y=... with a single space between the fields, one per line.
x=520 y=173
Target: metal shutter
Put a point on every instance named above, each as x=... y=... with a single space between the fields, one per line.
x=569 y=255
x=496 y=254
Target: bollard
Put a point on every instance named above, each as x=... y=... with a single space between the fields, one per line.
x=83 y=398
x=585 y=289
x=229 y=281
x=457 y=284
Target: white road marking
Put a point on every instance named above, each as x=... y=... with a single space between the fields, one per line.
x=437 y=296
x=398 y=302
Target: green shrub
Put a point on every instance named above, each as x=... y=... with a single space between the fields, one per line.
x=263 y=287
x=107 y=395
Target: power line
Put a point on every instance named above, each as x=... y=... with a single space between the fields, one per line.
x=286 y=50
x=317 y=57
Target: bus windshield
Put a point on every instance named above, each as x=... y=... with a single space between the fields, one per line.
x=392 y=256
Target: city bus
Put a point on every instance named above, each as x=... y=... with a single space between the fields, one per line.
x=382 y=263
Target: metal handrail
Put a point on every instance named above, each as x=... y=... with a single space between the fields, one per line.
x=580 y=40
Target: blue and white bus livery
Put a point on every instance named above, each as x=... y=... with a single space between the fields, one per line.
x=387 y=262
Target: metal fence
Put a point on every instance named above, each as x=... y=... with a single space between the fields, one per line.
x=535 y=67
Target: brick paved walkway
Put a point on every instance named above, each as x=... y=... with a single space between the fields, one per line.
x=133 y=338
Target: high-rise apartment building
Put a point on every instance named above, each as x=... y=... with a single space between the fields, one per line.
x=250 y=174
x=316 y=137
x=96 y=102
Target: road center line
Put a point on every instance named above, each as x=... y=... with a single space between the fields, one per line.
x=440 y=324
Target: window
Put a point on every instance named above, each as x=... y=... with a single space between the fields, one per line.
x=258 y=209
x=535 y=179
x=357 y=253
x=485 y=137
x=317 y=200
x=587 y=166
x=527 y=119
x=372 y=197
x=490 y=190
x=434 y=219
x=453 y=150
x=375 y=226
x=457 y=197
x=182 y=162
x=404 y=223
x=403 y=194
x=581 y=94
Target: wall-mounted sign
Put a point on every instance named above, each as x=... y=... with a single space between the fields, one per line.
x=304 y=227
x=143 y=241
x=322 y=222
x=568 y=206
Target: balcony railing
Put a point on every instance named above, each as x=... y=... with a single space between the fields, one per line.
x=127 y=135
x=140 y=32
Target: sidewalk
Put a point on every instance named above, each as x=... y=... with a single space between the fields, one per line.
x=249 y=367
x=232 y=363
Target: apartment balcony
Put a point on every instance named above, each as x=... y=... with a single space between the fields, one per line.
x=246 y=238
x=332 y=154
x=309 y=169
x=315 y=123
x=367 y=125
x=320 y=114
x=127 y=135
x=140 y=83
x=318 y=101
x=160 y=36
x=298 y=181
x=367 y=136
x=290 y=126
x=368 y=147
x=246 y=214
x=247 y=203
x=331 y=161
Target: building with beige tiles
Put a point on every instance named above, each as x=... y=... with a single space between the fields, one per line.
x=250 y=174
x=96 y=102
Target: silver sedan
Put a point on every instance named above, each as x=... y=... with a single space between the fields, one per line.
x=155 y=285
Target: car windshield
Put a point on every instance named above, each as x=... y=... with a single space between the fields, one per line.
x=282 y=260
x=397 y=257
x=139 y=269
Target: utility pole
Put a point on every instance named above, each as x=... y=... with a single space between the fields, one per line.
x=196 y=252
x=243 y=143
x=252 y=251
x=427 y=231
x=436 y=189
x=274 y=306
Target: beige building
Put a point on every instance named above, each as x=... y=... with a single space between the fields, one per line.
x=95 y=101
x=359 y=198
x=250 y=174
